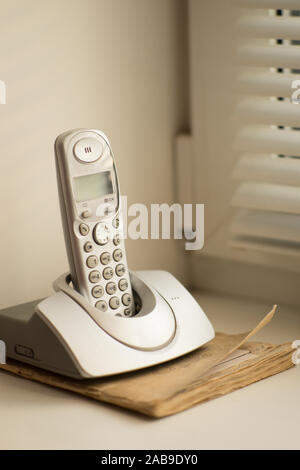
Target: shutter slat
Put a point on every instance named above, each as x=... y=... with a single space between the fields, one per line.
x=272 y=225
x=267 y=197
x=283 y=56
x=266 y=83
x=267 y=111
x=269 y=27
x=270 y=4
x=269 y=169
x=268 y=128
x=267 y=140
x=266 y=245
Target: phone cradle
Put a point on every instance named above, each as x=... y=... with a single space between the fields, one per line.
x=65 y=334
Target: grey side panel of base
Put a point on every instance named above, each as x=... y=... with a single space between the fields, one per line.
x=29 y=339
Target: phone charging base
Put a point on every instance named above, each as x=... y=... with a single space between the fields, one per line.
x=64 y=334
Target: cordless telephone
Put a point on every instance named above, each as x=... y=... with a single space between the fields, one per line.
x=91 y=215
x=82 y=331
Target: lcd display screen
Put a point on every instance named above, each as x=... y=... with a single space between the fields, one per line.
x=93 y=186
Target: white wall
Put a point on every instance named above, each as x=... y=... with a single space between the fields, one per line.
x=116 y=65
x=213 y=86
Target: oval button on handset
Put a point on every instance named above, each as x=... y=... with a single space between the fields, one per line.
x=88 y=150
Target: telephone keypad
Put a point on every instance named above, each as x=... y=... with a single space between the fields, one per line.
x=123 y=284
x=95 y=277
x=84 y=229
x=92 y=261
x=108 y=273
x=114 y=293
x=101 y=305
x=114 y=303
x=117 y=255
x=105 y=258
x=97 y=291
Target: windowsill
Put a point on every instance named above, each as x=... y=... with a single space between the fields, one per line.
x=263 y=415
x=220 y=244
x=232 y=314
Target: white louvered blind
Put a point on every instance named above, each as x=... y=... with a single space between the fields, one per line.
x=267 y=199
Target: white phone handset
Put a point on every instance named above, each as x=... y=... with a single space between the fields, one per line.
x=91 y=215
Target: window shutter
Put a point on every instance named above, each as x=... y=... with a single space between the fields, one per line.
x=267 y=198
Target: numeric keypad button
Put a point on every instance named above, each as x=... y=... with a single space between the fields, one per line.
x=114 y=303
x=92 y=261
x=97 y=291
x=105 y=258
x=111 y=288
x=94 y=277
x=120 y=270
x=127 y=312
x=123 y=284
x=84 y=229
x=117 y=239
x=117 y=255
x=126 y=299
x=88 y=247
x=108 y=273
x=101 y=305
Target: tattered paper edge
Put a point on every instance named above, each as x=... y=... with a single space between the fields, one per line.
x=83 y=388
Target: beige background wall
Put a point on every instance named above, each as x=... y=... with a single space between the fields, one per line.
x=118 y=65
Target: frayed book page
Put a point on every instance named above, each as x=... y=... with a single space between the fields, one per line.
x=226 y=363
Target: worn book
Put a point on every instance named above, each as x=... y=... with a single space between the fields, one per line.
x=223 y=365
